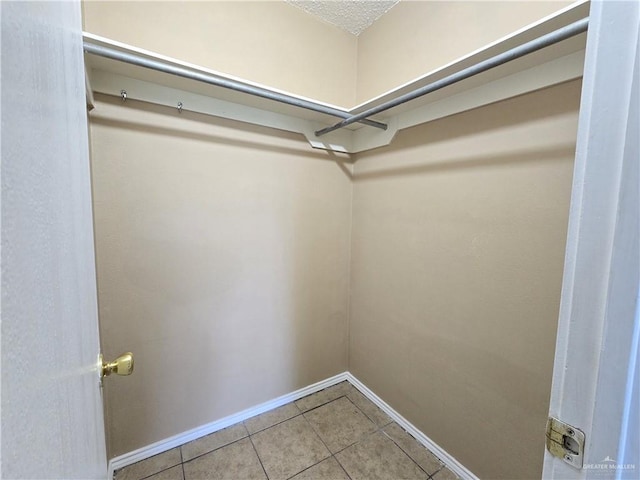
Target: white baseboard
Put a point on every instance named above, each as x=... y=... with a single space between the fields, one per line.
x=162 y=446
x=450 y=462
x=184 y=437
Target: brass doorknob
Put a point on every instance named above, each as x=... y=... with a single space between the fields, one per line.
x=123 y=365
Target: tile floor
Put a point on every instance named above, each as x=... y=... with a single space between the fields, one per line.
x=335 y=434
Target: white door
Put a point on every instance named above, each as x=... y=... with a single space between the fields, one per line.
x=52 y=418
x=597 y=369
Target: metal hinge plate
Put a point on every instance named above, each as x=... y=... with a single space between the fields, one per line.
x=565 y=441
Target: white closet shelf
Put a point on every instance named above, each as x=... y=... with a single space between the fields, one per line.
x=552 y=65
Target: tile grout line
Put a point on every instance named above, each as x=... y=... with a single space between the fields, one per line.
x=214 y=450
x=442 y=464
x=342 y=467
x=365 y=414
x=318 y=435
x=409 y=456
x=323 y=404
x=143 y=453
x=318 y=463
x=332 y=454
x=257 y=455
x=319 y=438
x=275 y=424
x=257 y=431
x=360 y=440
x=184 y=475
x=162 y=470
x=302 y=413
x=250 y=437
x=379 y=428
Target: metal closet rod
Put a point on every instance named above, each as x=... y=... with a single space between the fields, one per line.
x=141 y=61
x=516 y=52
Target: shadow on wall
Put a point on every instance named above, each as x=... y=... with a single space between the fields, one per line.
x=465 y=163
x=303 y=149
x=459 y=231
x=222 y=260
x=443 y=134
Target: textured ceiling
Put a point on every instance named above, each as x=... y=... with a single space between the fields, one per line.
x=351 y=15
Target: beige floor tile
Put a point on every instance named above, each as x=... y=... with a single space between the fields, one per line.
x=340 y=424
x=215 y=440
x=378 y=458
x=328 y=469
x=269 y=419
x=423 y=457
x=445 y=474
x=369 y=408
x=173 y=473
x=324 y=396
x=235 y=461
x=150 y=466
x=289 y=448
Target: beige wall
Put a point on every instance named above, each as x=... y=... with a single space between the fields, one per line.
x=268 y=42
x=458 y=240
x=223 y=249
x=280 y=46
x=416 y=37
x=222 y=258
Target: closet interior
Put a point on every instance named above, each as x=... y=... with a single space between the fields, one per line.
x=245 y=249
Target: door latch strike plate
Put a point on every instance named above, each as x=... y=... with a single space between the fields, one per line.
x=566 y=442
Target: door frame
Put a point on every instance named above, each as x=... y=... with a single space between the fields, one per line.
x=596 y=359
x=52 y=409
